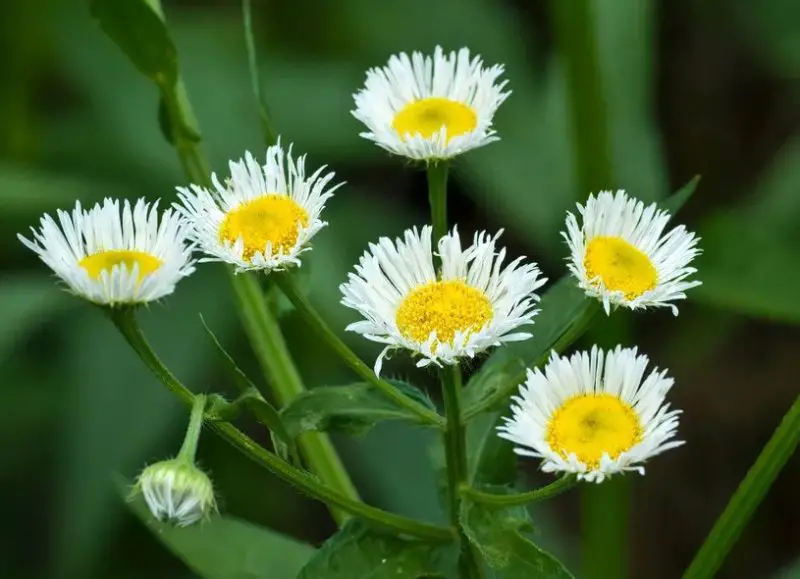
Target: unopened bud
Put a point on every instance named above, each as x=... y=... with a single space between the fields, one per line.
x=177 y=492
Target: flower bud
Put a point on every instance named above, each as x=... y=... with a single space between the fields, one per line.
x=177 y=492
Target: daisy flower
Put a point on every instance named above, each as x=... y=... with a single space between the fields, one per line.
x=593 y=414
x=431 y=108
x=263 y=217
x=621 y=255
x=473 y=304
x=112 y=257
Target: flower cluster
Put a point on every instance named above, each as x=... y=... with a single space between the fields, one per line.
x=443 y=300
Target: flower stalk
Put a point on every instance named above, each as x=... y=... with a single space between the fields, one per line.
x=126 y=323
x=437 y=198
x=289 y=287
x=265 y=334
x=469 y=564
x=544 y=493
x=188 y=450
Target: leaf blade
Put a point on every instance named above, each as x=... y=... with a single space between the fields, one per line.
x=228 y=548
x=354 y=409
x=141 y=34
x=497 y=533
x=358 y=551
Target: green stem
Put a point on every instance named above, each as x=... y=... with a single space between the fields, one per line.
x=555 y=488
x=576 y=41
x=748 y=496
x=604 y=539
x=604 y=526
x=469 y=564
x=565 y=340
x=437 y=197
x=286 y=283
x=188 y=450
x=273 y=354
x=259 y=323
x=126 y=323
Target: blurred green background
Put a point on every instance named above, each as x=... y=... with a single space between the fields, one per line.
x=709 y=87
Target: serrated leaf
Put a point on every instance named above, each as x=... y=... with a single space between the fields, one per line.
x=140 y=32
x=353 y=409
x=358 y=551
x=228 y=548
x=497 y=533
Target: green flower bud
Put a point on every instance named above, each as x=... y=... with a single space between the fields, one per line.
x=177 y=492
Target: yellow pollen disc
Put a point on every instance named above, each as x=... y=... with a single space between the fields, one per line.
x=425 y=117
x=590 y=425
x=269 y=218
x=101 y=261
x=445 y=307
x=620 y=265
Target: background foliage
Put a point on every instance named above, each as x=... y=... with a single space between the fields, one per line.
x=693 y=87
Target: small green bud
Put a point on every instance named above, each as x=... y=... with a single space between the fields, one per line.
x=177 y=492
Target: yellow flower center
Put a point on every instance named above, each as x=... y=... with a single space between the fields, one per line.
x=101 y=261
x=427 y=116
x=445 y=307
x=591 y=425
x=620 y=265
x=270 y=218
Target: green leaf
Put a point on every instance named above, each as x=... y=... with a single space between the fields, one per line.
x=228 y=548
x=563 y=306
x=252 y=399
x=26 y=303
x=268 y=131
x=353 y=409
x=674 y=202
x=749 y=268
x=141 y=34
x=751 y=252
x=497 y=533
x=492 y=460
x=358 y=551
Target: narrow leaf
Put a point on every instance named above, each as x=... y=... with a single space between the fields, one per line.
x=674 y=202
x=358 y=551
x=242 y=381
x=498 y=534
x=252 y=399
x=228 y=548
x=353 y=409
x=267 y=127
x=140 y=32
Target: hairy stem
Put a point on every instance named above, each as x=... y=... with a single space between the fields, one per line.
x=188 y=450
x=554 y=489
x=126 y=322
x=469 y=564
